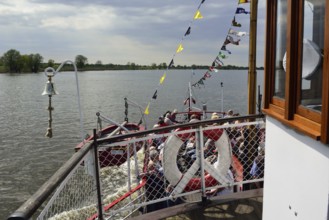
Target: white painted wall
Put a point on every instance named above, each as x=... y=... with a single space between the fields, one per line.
x=296 y=175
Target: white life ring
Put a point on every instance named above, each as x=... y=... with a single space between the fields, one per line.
x=215 y=173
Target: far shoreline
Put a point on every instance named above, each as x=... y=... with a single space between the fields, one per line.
x=125 y=67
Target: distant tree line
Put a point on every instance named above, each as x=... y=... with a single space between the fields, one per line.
x=13 y=62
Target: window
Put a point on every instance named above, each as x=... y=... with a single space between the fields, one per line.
x=297 y=65
x=313 y=42
x=280 y=74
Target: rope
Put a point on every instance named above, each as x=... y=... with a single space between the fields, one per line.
x=49 y=132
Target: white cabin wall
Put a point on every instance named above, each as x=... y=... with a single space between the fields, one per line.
x=296 y=182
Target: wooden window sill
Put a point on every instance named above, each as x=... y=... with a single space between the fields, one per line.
x=299 y=123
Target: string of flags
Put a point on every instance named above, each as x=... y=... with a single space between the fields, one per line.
x=233 y=37
x=217 y=63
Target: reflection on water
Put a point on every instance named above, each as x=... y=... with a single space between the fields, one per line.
x=28 y=159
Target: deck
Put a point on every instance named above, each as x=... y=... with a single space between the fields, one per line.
x=246 y=205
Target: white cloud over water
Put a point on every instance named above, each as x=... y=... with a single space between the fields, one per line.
x=121 y=31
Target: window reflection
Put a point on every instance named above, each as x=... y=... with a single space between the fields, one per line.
x=311 y=83
x=280 y=74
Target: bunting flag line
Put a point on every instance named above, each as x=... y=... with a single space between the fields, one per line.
x=162 y=78
x=217 y=63
x=198 y=15
x=179 y=48
x=155 y=95
x=244 y=1
x=146 y=112
x=241 y=11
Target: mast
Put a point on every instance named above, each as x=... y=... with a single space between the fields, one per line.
x=190 y=97
x=222 y=98
x=252 y=74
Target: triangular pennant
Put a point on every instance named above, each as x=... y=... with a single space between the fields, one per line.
x=188 y=31
x=233 y=32
x=198 y=15
x=244 y=1
x=221 y=55
x=235 y=24
x=207 y=75
x=238 y=33
x=218 y=65
x=241 y=11
x=155 y=95
x=229 y=39
x=219 y=62
x=242 y=34
x=212 y=69
x=224 y=49
x=162 y=78
x=146 y=112
x=171 y=63
x=179 y=48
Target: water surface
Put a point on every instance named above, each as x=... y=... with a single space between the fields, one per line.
x=28 y=159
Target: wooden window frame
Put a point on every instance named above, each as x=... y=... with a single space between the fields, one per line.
x=288 y=110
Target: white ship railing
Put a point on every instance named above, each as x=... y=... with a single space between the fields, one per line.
x=184 y=173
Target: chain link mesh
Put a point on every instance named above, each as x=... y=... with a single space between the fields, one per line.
x=74 y=199
x=147 y=173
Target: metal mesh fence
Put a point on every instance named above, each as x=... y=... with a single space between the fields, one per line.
x=158 y=170
x=75 y=198
x=185 y=165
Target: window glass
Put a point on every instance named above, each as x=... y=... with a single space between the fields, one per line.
x=311 y=83
x=280 y=74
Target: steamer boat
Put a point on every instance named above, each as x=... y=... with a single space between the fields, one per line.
x=238 y=178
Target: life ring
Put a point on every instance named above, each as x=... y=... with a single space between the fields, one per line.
x=215 y=173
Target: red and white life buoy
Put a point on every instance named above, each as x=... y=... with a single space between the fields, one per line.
x=215 y=173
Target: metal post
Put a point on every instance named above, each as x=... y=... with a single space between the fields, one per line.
x=204 y=110
x=252 y=74
x=98 y=184
x=259 y=104
x=199 y=138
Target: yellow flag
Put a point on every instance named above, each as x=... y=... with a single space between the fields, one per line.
x=244 y=1
x=198 y=15
x=179 y=48
x=162 y=78
x=146 y=112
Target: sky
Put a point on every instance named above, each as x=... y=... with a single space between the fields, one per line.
x=121 y=31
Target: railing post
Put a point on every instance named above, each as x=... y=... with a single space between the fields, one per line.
x=200 y=143
x=98 y=184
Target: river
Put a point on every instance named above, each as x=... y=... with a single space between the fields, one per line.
x=28 y=158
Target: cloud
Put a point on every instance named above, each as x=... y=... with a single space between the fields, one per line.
x=121 y=31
